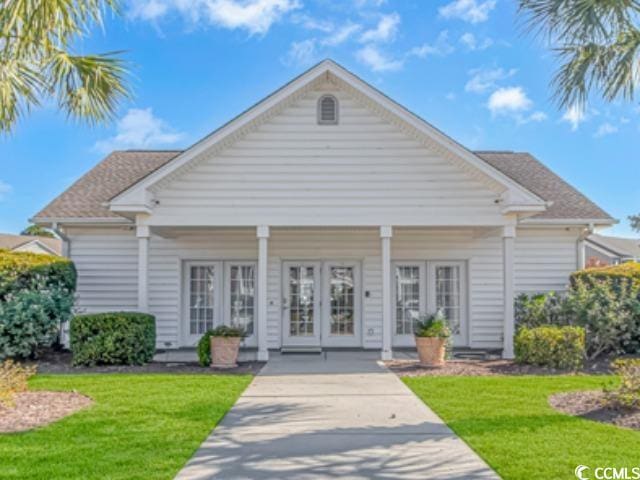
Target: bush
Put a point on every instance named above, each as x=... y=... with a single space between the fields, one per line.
x=627 y=395
x=113 y=338
x=434 y=326
x=624 y=274
x=36 y=297
x=13 y=379
x=539 y=309
x=551 y=346
x=204 y=345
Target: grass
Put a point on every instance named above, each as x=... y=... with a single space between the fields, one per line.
x=509 y=423
x=140 y=426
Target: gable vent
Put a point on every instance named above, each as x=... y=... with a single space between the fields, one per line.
x=327 y=110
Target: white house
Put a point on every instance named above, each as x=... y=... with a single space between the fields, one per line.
x=325 y=216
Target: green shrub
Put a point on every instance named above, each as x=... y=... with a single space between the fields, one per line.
x=204 y=345
x=36 y=297
x=435 y=326
x=627 y=395
x=540 y=309
x=623 y=274
x=551 y=346
x=113 y=338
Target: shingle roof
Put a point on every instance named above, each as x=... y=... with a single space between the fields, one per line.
x=11 y=242
x=525 y=169
x=121 y=169
x=624 y=247
x=117 y=172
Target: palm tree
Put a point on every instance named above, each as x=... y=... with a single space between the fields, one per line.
x=37 y=61
x=598 y=43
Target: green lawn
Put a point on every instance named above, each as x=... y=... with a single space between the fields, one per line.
x=508 y=421
x=140 y=426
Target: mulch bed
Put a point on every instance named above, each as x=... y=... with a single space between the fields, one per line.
x=459 y=367
x=60 y=362
x=589 y=404
x=38 y=408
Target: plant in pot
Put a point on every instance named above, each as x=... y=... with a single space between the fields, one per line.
x=219 y=347
x=432 y=334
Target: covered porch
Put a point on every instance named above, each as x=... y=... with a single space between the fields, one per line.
x=327 y=288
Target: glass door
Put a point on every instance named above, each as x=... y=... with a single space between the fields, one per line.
x=240 y=299
x=341 y=304
x=203 y=299
x=301 y=304
x=448 y=291
x=409 y=301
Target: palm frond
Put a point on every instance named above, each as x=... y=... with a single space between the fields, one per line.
x=20 y=86
x=88 y=87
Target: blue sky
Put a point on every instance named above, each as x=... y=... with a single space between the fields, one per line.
x=463 y=65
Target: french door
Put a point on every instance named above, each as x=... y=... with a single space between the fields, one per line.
x=341 y=304
x=219 y=293
x=427 y=287
x=301 y=304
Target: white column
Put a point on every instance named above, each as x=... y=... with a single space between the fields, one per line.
x=508 y=245
x=143 y=234
x=386 y=232
x=581 y=253
x=262 y=233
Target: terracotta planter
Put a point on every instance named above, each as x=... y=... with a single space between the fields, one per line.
x=431 y=350
x=224 y=351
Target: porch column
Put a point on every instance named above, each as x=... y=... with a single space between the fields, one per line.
x=386 y=232
x=508 y=244
x=143 y=234
x=262 y=233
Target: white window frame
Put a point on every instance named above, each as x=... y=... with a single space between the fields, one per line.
x=251 y=340
x=187 y=338
x=428 y=297
x=328 y=339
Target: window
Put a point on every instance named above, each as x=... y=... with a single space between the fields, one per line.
x=202 y=299
x=448 y=296
x=342 y=295
x=242 y=295
x=327 y=110
x=408 y=305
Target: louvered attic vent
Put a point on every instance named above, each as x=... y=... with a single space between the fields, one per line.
x=327 y=110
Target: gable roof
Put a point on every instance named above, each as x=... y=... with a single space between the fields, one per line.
x=134 y=199
x=87 y=198
x=524 y=168
x=621 y=247
x=12 y=242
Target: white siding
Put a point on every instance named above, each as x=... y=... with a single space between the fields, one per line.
x=545 y=257
x=291 y=171
x=107 y=264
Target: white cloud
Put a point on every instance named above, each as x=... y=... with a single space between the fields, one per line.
x=605 y=129
x=376 y=60
x=255 y=16
x=450 y=96
x=508 y=101
x=483 y=80
x=385 y=30
x=575 y=115
x=538 y=116
x=470 y=41
x=365 y=3
x=5 y=189
x=470 y=11
x=311 y=23
x=342 y=34
x=139 y=128
x=301 y=53
x=441 y=47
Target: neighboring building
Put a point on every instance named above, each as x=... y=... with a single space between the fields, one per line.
x=606 y=250
x=325 y=216
x=26 y=243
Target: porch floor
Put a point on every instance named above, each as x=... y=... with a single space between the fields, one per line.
x=339 y=415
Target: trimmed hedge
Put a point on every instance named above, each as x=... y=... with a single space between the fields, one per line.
x=113 y=338
x=551 y=346
x=625 y=273
x=36 y=297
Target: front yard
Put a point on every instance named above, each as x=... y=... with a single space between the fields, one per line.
x=509 y=423
x=140 y=426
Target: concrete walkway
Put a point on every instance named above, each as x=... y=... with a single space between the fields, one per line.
x=326 y=417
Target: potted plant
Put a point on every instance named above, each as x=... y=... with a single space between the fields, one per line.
x=225 y=344
x=432 y=334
